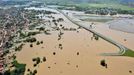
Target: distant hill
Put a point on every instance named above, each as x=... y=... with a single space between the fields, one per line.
x=12 y=2
x=126 y=2
x=79 y=1
x=83 y=1
x=96 y=1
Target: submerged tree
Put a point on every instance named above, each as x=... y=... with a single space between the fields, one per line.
x=103 y=63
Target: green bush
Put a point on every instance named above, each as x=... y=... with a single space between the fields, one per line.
x=32 y=33
x=31 y=45
x=35 y=65
x=19 y=47
x=34 y=59
x=37 y=60
x=31 y=40
x=35 y=72
x=19 y=68
x=38 y=43
x=44 y=59
x=41 y=42
x=103 y=63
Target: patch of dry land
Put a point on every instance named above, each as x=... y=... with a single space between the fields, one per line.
x=76 y=53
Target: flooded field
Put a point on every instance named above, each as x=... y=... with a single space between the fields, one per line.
x=66 y=37
x=76 y=53
x=94 y=18
x=118 y=29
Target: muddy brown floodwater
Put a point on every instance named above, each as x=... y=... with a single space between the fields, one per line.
x=80 y=55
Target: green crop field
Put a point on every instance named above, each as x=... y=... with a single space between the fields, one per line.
x=112 y=5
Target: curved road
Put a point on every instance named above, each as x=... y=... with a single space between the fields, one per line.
x=121 y=47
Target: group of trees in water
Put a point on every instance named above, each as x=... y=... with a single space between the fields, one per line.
x=105 y=11
x=98 y=10
x=19 y=69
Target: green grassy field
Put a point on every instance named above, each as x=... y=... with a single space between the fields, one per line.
x=115 y=6
x=129 y=53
